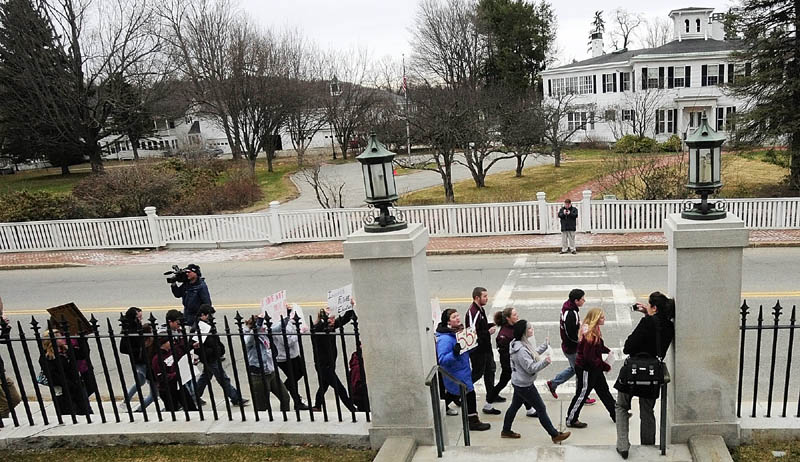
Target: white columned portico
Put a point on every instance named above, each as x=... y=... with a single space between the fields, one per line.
x=390 y=285
x=705 y=278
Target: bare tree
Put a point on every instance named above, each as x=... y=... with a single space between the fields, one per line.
x=447 y=45
x=645 y=176
x=624 y=25
x=487 y=109
x=657 y=31
x=328 y=190
x=351 y=101
x=522 y=128
x=306 y=95
x=558 y=129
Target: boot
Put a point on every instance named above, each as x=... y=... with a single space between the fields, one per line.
x=476 y=425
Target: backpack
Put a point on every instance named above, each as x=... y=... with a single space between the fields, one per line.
x=358 y=386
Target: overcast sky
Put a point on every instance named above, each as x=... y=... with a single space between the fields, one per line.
x=383 y=26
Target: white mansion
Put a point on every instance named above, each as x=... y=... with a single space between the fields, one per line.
x=672 y=86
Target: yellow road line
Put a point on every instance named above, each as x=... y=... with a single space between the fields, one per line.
x=320 y=304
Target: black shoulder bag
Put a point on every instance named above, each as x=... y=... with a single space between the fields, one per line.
x=644 y=368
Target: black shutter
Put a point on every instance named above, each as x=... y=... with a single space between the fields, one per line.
x=704 y=76
x=633 y=80
x=614 y=77
x=644 y=78
x=730 y=73
x=660 y=77
x=594 y=84
x=658 y=119
x=549 y=87
x=674 y=121
x=633 y=118
x=719 y=118
x=687 y=76
x=721 y=78
x=604 y=83
x=747 y=69
x=670 y=77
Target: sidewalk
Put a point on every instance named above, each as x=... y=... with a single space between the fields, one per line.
x=333 y=249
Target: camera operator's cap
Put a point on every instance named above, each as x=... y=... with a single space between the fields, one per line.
x=174 y=315
x=193 y=268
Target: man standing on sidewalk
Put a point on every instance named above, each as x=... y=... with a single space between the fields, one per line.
x=568 y=216
x=569 y=323
x=481 y=358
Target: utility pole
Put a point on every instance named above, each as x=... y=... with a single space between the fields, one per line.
x=405 y=94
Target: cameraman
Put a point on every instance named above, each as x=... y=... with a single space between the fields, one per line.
x=193 y=292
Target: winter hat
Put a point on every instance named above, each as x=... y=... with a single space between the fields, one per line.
x=194 y=268
x=446 y=315
x=520 y=327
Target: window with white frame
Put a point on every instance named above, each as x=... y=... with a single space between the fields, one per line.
x=609 y=80
x=652 y=78
x=739 y=70
x=610 y=115
x=698 y=25
x=687 y=25
x=579 y=120
x=578 y=85
x=625 y=81
x=665 y=121
x=712 y=76
x=679 y=76
x=627 y=115
x=726 y=118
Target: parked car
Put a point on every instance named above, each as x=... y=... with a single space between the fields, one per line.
x=7 y=166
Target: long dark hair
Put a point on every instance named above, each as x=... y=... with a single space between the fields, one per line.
x=665 y=306
x=501 y=317
x=130 y=321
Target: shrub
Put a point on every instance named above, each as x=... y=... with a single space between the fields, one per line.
x=633 y=143
x=123 y=192
x=38 y=205
x=673 y=144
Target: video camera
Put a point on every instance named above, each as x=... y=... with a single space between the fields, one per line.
x=177 y=274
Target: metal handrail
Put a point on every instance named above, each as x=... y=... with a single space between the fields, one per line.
x=432 y=382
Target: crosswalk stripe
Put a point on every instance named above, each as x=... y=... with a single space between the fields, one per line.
x=563 y=274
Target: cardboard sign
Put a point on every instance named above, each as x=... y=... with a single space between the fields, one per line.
x=467 y=338
x=274 y=306
x=436 y=311
x=72 y=315
x=339 y=300
x=184 y=364
x=205 y=329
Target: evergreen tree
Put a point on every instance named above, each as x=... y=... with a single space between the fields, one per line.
x=771 y=47
x=33 y=71
x=519 y=36
x=129 y=115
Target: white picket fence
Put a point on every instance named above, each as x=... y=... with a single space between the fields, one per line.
x=276 y=226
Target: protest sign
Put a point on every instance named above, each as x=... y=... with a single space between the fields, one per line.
x=339 y=300
x=183 y=367
x=72 y=315
x=467 y=338
x=274 y=306
x=436 y=311
x=205 y=328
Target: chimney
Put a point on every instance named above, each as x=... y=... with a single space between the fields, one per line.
x=597 y=44
x=718 y=26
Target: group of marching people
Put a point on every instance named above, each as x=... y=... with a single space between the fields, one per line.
x=522 y=358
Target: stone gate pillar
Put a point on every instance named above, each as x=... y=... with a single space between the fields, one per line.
x=390 y=285
x=705 y=278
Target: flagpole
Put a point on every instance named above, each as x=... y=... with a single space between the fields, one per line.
x=405 y=94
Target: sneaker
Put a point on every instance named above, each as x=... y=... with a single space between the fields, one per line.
x=531 y=413
x=574 y=252
x=552 y=389
x=509 y=434
x=492 y=411
x=577 y=424
x=301 y=406
x=562 y=252
x=560 y=437
x=451 y=411
x=316 y=409
x=589 y=401
x=242 y=402
x=623 y=454
x=499 y=399
x=201 y=401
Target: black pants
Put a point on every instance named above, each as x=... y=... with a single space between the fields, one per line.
x=586 y=381
x=505 y=377
x=327 y=377
x=472 y=406
x=298 y=368
x=482 y=363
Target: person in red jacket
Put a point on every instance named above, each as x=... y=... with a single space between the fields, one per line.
x=568 y=324
x=505 y=320
x=590 y=368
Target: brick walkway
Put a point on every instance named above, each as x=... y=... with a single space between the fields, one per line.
x=437 y=246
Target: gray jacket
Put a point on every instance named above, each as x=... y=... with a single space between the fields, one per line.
x=292 y=339
x=523 y=367
x=258 y=345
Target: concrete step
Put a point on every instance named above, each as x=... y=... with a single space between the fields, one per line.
x=552 y=453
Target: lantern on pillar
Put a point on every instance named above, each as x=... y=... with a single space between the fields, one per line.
x=705 y=152
x=376 y=165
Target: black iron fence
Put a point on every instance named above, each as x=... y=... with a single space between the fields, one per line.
x=59 y=380
x=779 y=355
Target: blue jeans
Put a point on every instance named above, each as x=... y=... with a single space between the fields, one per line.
x=216 y=369
x=567 y=373
x=140 y=377
x=528 y=396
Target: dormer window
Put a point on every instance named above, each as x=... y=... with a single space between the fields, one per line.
x=687 y=26
x=698 y=25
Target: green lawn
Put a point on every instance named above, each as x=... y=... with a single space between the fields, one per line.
x=761 y=451
x=276 y=186
x=193 y=453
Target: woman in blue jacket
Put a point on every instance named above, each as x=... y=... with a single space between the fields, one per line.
x=456 y=363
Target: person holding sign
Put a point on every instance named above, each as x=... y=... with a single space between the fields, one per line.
x=506 y=320
x=482 y=359
x=165 y=370
x=287 y=352
x=211 y=350
x=325 y=352
x=61 y=371
x=590 y=368
x=457 y=363
x=526 y=362
x=260 y=369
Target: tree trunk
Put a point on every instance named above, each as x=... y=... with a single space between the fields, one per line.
x=520 y=165
x=301 y=154
x=251 y=163
x=93 y=150
x=269 y=152
x=134 y=142
x=449 y=194
x=65 y=169
x=794 y=162
x=557 y=156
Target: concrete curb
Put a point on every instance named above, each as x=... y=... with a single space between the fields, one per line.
x=23 y=266
x=709 y=448
x=396 y=449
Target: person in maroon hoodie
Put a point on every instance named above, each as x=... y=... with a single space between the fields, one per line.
x=481 y=357
x=569 y=323
x=590 y=369
x=505 y=320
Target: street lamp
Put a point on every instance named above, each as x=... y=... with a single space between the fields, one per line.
x=376 y=166
x=705 y=149
x=335 y=90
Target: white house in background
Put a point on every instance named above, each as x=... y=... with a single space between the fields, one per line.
x=685 y=77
